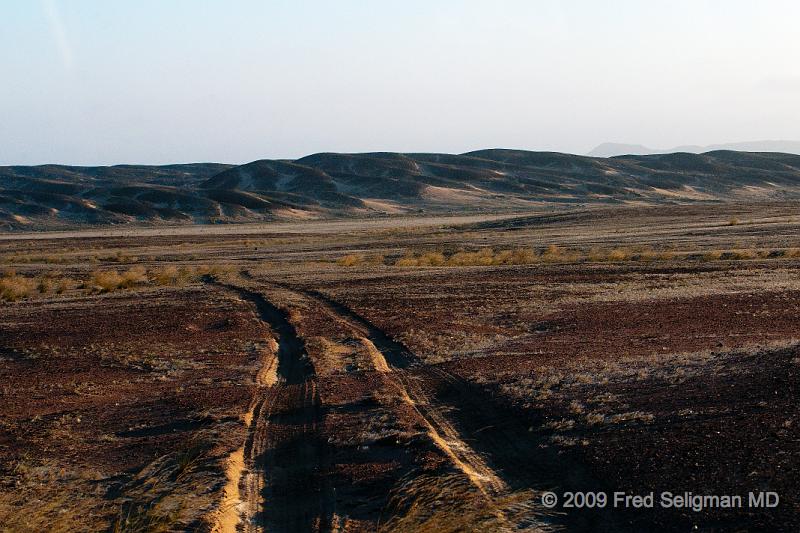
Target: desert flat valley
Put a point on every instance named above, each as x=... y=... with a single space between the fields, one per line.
x=403 y=373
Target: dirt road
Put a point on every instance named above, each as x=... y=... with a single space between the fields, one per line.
x=283 y=486
x=484 y=439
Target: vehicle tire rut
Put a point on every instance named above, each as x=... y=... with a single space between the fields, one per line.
x=407 y=375
x=483 y=434
x=284 y=486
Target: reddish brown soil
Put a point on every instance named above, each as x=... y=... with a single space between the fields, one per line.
x=86 y=387
x=737 y=429
x=728 y=431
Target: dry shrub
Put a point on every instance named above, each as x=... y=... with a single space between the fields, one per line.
x=111 y=280
x=552 y=253
x=432 y=259
x=487 y=256
x=636 y=253
x=619 y=254
x=44 y=284
x=14 y=287
x=350 y=260
x=595 y=418
x=171 y=275
x=524 y=256
x=359 y=259
x=134 y=276
x=518 y=256
x=734 y=221
x=213 y=270
x=482 y=257
x=406 y=262
x=168 y=275
x=466 y=259
x=63 y=285
x=503 y=257
x=105 y=280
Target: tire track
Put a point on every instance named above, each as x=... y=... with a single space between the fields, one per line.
x=283 y=486
x=485 y=439
x=403 y=372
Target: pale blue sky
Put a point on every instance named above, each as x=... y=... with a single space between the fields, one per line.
x=101 y=82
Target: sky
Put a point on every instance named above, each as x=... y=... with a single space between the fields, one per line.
x=94 y=82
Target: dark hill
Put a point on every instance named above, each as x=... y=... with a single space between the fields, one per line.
x=340 y=185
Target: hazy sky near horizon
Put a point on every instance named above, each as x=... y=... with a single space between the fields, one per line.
x=153 y=81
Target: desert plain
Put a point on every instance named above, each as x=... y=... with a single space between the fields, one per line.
x=403 y=373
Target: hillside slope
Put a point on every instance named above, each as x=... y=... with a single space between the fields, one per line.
x=344 y=185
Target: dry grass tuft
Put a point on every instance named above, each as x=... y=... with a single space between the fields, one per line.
x=14 y=287
x=482 y=257
x=450 y=504
x=552 y=253
x=103 y=281
x=111 y=280
x=407 y=261
x=595 y=418
x=350 y=260
x=47 y=497
x=432 y=259
x=213 y=270
x=171 y=275
x=618 y=254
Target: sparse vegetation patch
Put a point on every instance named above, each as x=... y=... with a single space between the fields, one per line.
x=556 y=254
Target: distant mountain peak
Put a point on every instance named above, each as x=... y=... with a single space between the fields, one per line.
x=611 y=149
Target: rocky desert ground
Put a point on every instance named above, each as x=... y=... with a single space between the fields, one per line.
x=424 y=374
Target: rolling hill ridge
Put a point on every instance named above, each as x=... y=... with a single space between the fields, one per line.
x=331 y=185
